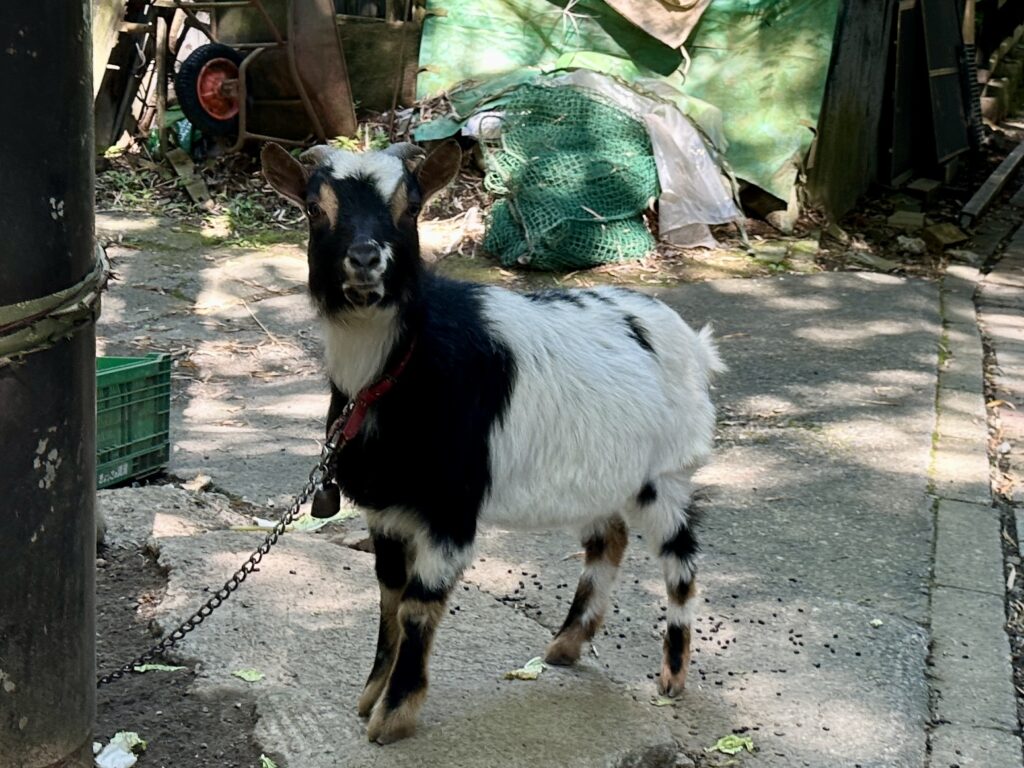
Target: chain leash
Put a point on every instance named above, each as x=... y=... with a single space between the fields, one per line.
x=321 y=474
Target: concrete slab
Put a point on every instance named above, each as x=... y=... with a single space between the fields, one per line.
x=1011 y=275
x=812 y=681
x=961 y=416
x=962 y=370
x=1009 y=386
x=819 y=523
x=961 y=472
x=136 y=516
x=963 y=354
x=958 y=310
x=995 y=295
x=1004 y=326
x=955 y=746
x=990 y=234
x=794 y=668
x=961 y=274
x=963 y=337
x=1009 y=354
x=819 y=348
x=970 y=662
x=308 y=622
x=968 y=548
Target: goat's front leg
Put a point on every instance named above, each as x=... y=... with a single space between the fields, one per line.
x=391 y=564
x=436 y=567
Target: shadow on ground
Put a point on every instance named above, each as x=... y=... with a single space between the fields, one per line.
x=817 y=538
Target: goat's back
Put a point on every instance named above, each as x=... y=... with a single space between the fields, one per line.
x=610 y=391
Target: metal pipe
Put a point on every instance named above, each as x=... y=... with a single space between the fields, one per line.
x=47 y=402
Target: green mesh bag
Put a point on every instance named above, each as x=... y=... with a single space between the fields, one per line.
x=573 y=175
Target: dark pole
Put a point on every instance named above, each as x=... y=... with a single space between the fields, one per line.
x=47 y=402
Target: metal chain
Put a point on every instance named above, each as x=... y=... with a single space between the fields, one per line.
x=322 y=473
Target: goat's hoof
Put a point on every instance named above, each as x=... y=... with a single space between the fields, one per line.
x=562 y=652
x=387 y=726
x=670 y=684
x=366 y=706
x=369 y=696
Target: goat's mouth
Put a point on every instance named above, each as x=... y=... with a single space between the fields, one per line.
x=363 y=294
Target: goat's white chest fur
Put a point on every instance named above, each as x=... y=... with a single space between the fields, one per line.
x=356 y=348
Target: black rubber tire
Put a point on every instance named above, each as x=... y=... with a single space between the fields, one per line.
x=185 y=83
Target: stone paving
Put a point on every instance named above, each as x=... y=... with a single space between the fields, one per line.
x=975 y=702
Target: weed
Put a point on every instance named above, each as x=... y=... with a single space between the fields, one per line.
x=368 y=137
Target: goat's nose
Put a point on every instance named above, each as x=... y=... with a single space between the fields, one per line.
x=364 y=255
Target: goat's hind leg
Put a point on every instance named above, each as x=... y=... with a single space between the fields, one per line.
x=392 y=575
x=433 y=574
x=681 y=583
x=605 y=544
x=669 y=519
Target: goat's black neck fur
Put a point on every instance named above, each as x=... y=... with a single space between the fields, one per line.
x=424 y=449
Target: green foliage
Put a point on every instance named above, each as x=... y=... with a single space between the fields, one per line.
x=368 y=138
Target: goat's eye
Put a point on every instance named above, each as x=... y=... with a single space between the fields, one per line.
x=314 y=211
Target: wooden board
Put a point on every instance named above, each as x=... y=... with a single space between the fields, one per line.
x=909 y=107
x=943 y=43
x=106 y=21
x=993 y=186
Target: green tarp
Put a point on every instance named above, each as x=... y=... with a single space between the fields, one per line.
x=763 y=63
x=479 y=39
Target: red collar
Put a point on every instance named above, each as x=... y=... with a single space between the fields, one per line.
x=352 y=416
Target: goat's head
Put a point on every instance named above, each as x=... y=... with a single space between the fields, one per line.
x=362 y=211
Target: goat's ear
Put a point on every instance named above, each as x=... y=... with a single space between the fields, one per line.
x=439 y=168
x=285 y=174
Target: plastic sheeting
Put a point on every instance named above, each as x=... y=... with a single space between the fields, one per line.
x=479 y=39
x=693 y=191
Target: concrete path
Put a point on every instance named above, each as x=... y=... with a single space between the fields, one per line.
x=851 y=554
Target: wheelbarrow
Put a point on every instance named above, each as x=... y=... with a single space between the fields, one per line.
x=280 y=69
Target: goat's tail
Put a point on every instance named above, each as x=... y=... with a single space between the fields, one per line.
x=710 y=360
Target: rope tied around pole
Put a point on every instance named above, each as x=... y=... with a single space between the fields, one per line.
x=31 y=326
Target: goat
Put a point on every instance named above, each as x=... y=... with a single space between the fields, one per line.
x=581 y=408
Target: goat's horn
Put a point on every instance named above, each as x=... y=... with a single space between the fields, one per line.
x=410 y=155
x=406 y=151
x=317 y=155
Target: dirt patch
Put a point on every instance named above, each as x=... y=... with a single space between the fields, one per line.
x=181 y=728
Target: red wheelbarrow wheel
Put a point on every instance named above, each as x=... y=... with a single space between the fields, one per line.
x=208 y=88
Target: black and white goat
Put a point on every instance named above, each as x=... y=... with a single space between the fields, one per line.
x=580 y=408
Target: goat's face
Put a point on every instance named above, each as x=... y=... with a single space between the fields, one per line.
x=362 y=211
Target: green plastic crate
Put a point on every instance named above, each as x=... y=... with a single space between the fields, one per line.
x=133 y=414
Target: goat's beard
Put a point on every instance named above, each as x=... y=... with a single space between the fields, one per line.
x=347 y=310
x=366 y=296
